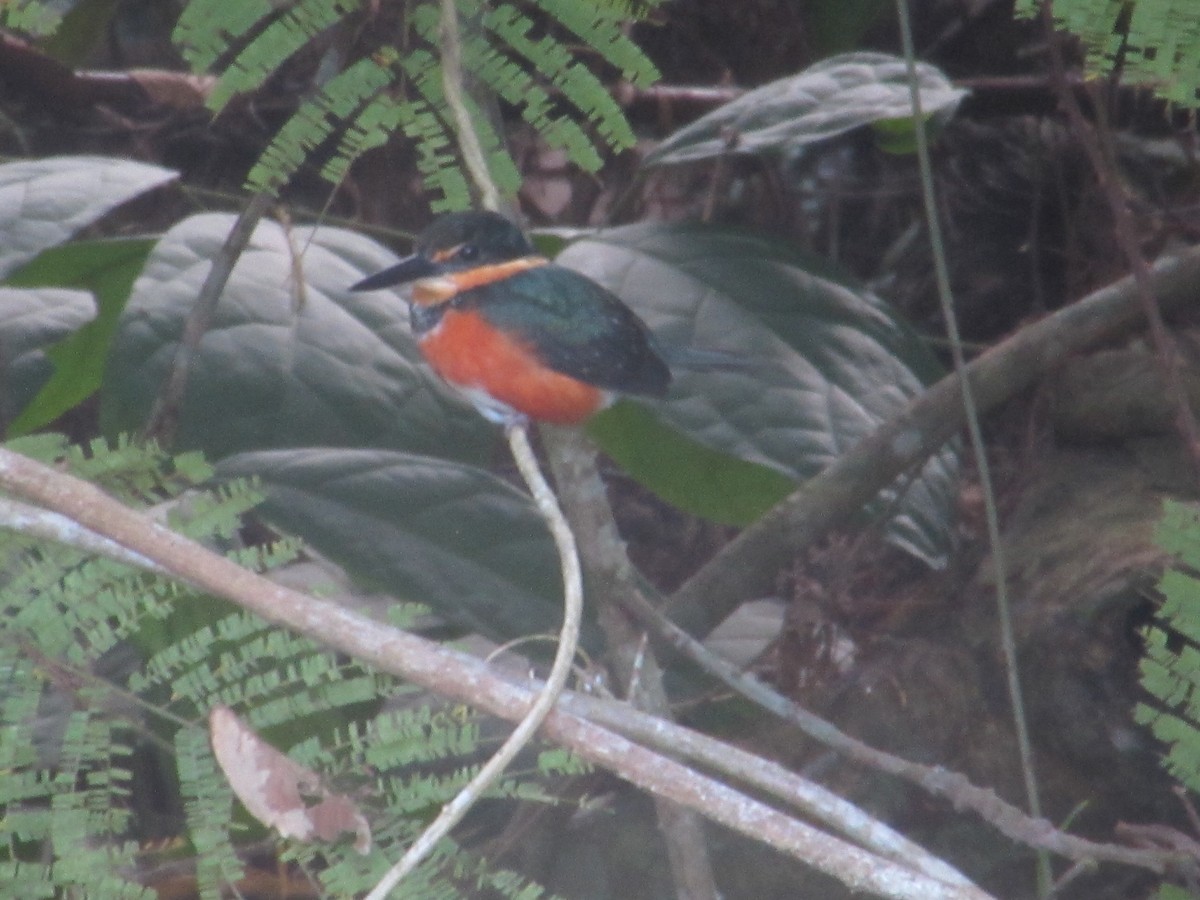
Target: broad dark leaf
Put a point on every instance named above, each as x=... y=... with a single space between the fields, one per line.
x=44 y=202
x=834 y=96
x=451 y=536
x=687 y=474
x=30 y=322
x=822 y=362
x=293 y=358
x=107 y=268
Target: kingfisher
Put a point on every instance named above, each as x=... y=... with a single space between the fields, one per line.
x=520 y=337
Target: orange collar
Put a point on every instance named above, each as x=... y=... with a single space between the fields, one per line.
x=440 y=288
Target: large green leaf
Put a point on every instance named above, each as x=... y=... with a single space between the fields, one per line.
x=825 y=100
x=105 y=267
x=31 y=321
x=823 y=362
x=44 y=202
x=452 y=536
x=687 y=474
x=292 y=359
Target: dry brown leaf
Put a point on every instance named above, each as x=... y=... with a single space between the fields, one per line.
x=278 y=791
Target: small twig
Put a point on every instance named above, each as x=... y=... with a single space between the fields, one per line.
x=460 y=677
x=163 y=420
x=636 y=673
x=452 y=86
x=798 y=792
x=453 y=812
x=1008 y=642
x=935 y=780
x=746 y=566
x=50 y=526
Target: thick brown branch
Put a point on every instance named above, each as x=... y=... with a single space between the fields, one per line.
x=458 y=676
x=748 y=566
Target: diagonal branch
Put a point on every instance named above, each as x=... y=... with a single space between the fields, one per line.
x=560 y=671
x=163 y=420
x=746 y=568
x=458 y=676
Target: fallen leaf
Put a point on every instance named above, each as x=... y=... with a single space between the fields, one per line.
x=279 y=792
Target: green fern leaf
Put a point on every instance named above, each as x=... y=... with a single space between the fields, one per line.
x=1157 y=42
x=208 y=802
x=554 y=62
x=66 y=748
x=600 y=28
x=278 y=42
x=1170 y=669
x=354 y=95
x=32 y=17
x=207 y=28
x=364 y=104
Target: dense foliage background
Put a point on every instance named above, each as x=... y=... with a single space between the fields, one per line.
x=761 y=200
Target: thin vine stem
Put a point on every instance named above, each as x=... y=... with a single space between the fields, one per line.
x=452 y=86
x=460 y=677
x=453 y=812
x=163 y=420
x=543 y=497
x=946 y=299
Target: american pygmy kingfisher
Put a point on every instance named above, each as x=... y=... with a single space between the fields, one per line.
x=519 y=336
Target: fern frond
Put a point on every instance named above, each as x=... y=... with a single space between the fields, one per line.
x=515 y=85
x=1156 y=41
x=133 y=472
x=298 y=25
x=32 y=17
x=366 y=103
x=26 y=879
x=437 y=148
x=208 y=804
x=375 y=123
x=558 y=761
x=1170 y=668
x=344 y=98
x=48 y=447
x=554 y=62
x=403 y=739
x=208 y=28
x=67 y=750
x=600 y=28
x=214 y=515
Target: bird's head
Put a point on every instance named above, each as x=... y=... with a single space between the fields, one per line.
x=458 y=251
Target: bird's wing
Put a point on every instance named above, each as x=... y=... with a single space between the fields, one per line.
x=576 y=327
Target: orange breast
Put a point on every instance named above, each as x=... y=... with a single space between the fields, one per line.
x=471 y=354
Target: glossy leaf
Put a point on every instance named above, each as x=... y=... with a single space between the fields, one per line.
x=107 y=268
x=454 y=537
x=822 y=362
x=30 y=322
x=825 y=100
x=44 y=202
x=687 y=474
x=293 y=358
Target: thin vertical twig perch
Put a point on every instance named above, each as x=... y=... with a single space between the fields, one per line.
x=163 y=420
x=453 y=812
x=1008 y=642
x=543 y=496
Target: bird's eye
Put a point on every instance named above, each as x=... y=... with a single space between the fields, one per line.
x=467 y=252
